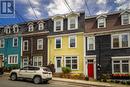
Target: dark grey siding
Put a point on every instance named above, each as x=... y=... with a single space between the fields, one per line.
x=81 y=26
x=104 y=53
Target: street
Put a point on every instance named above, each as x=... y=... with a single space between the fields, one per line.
x=5 y=82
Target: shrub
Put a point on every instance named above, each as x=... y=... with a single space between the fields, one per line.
x=86 y=78
x=104 y=77
x=66 y=70
x=15 y=66
x=128 y=82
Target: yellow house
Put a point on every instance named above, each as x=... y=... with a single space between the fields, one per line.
x=67 y=50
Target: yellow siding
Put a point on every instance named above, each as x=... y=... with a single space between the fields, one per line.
x=66 y=51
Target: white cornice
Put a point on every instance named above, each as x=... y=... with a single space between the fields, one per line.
x=35 y=33
x=59 y=35
x=107 y=32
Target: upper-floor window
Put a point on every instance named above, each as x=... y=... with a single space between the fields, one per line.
x=101 y=22
x=2 y=43
x=90 y=43
x=58 y=42
x=15 y=42
x=72 y=23
x=72 y=41
x=58 y=25
x=7 y=30
x=25 y=45
x=30 y=27
x=39 y=44
x=41 y=26
x=125 y=19
x=15 y=29
x=120 y=41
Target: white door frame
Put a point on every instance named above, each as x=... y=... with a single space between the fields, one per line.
x=93 y=57
x=56 y=63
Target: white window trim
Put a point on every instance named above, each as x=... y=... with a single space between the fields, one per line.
x=75 y=36
x=9 y=59
x=55 y=42
x=61 y=20
x=99 y=22
x=27 y=61
x=14 y=27
x=42 y=26
x=6 y=30
x=120 y=58
x=56 y=62
x=17 y=41
x=122 y=22
x=88 y=43
x=76 y=25
x=71 y=62
x=38 y=44
x=3 y=43
x=37 y=60
x=24 y=44
x=120 y=40
x=29 y=29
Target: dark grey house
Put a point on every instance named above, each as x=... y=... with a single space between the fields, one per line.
x=107 y=41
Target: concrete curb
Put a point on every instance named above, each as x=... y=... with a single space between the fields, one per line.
x=83 y=82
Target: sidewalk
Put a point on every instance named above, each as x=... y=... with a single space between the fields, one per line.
x=83 y=82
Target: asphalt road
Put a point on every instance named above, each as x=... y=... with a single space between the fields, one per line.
x=5 y=82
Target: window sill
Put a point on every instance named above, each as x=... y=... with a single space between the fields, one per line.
x=91 y=50
x=39 y=49
x=15 y=46
x=72 y=47
x=74 y=69
x=121 y=48
x=72 y=28
x=25 y=50
x=58 y=31
x=58 y=48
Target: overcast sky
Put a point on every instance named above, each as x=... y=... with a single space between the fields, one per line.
x=46 y=8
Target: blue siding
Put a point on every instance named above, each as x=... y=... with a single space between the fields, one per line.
x=10 y=50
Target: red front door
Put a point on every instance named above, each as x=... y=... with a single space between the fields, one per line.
x=90 y=70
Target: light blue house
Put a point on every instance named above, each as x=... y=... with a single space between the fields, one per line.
x=10 y=47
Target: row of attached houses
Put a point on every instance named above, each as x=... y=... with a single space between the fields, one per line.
x=91 y=45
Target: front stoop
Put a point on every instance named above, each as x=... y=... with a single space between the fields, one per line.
x=83 y=82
